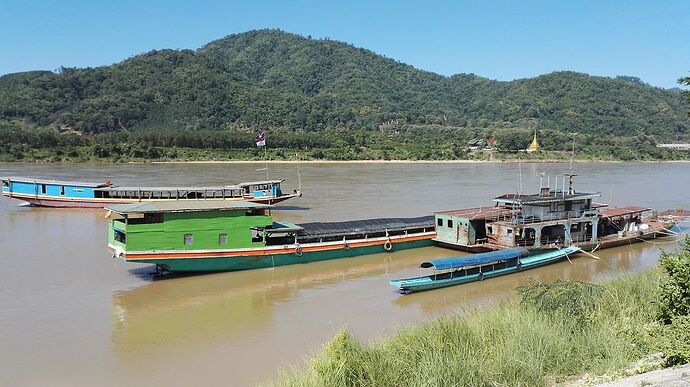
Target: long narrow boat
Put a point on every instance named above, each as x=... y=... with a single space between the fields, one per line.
x=477 y=267
x=57 y=193
x=216 y=235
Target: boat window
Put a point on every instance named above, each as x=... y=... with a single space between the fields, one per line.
x=5 y=183
x=439 y=222
x=490 y=229
x=223 y=239
x=188 y=239
x=62 y=190
x=450 y=223
x=43 y=188
x=510 y=231
x=120 y=236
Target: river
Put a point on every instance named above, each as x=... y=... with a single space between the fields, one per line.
x=71 y=315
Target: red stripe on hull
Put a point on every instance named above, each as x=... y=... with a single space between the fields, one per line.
x=65 y=203
x=57 y=203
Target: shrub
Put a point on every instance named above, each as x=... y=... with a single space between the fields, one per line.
x=674 y=296
x=343 y=362
x=674 y=340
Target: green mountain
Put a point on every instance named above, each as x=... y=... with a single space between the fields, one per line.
x=274 y=79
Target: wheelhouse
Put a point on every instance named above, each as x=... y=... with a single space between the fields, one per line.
x=202 y=225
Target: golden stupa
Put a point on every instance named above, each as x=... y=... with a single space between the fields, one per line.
x=534 y=146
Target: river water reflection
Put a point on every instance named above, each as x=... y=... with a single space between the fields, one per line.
x=70 y=315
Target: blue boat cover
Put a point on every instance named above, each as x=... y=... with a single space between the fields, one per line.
x=476 y=259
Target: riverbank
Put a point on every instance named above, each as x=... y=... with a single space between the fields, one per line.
x=563 y=333
x=368 y=161
x=404 y=161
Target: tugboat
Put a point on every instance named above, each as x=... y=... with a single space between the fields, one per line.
x=551 y=218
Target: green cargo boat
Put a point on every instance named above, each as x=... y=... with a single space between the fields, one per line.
x=216 y=235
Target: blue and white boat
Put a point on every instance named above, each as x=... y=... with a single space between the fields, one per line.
x=59 y=193
x=477 y=267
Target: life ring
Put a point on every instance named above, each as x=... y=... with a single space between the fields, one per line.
x=298 y=251
x=388 y=246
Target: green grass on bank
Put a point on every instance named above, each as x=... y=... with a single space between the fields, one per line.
x=555 y=333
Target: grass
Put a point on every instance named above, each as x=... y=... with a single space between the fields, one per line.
x=513 y=344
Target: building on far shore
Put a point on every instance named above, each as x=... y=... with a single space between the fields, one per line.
x=674 y=146
x=534 y=146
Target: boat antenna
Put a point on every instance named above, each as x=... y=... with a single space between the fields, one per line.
x=520 y=176
x=266 y=158
x=548 y=182
x=299 y=175
x=572 y=154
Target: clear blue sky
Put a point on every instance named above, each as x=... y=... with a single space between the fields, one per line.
x=497 y=39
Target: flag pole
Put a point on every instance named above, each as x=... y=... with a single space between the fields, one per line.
x=266 y=158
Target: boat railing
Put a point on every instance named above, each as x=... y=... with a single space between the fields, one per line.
x=519 y=219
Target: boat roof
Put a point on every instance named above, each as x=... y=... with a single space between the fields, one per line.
x=613 y=212
x=283 y=227
x=184 y=206
x=318 y=229
x=53 y=182
x=477 y=212
x=260 y=182
x=475 y=259
x=553 y=196
x=147 y=189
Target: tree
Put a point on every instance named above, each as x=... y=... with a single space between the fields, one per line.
x=685 y=81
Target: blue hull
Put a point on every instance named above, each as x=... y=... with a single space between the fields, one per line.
x=479 y=273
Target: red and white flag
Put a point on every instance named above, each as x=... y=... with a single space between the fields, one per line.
x=261 y=139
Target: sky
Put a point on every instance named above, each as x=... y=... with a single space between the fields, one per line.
x=502 y=40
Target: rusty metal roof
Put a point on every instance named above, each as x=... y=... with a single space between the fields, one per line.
x=613 y=212
x=184 y=206
x=477 y=212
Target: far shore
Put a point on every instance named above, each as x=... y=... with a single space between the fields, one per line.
x=399 y=161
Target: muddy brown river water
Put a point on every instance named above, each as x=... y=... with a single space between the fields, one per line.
x=70 y=315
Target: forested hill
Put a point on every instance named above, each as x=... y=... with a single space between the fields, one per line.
x=274 y=79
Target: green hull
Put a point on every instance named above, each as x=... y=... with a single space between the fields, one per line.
x=263 y=261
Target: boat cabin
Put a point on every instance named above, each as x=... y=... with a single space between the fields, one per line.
x=550 y=217
x=194 y=225
x=258 y=189
x=29 y=187
x=250 y=190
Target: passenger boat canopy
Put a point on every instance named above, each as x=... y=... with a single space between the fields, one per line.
x=476 y=259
